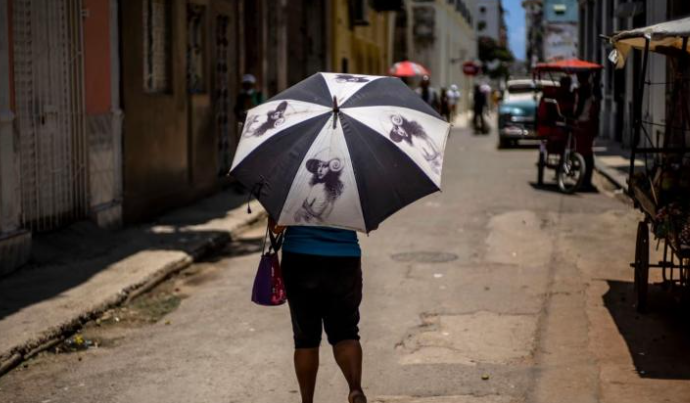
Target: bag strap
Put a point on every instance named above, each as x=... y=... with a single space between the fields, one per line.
x=276 y=241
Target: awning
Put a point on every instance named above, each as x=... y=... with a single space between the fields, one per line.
x=568 y=66
x=666 y=35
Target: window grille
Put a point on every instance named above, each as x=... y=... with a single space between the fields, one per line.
x=157 y=46
x=196 y=79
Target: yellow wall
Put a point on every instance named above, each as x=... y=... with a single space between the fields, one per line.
x=367 y=49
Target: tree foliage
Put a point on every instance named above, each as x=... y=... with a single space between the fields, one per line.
x=492 y=53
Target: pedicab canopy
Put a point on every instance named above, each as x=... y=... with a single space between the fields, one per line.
x=567 y=66
x=663 y=38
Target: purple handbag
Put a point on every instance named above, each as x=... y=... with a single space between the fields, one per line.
x=269 y=289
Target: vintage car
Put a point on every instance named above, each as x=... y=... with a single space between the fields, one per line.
x=518 y=110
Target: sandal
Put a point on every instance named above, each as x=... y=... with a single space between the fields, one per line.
x=357 y=396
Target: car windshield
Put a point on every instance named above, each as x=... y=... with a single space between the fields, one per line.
x=522 y=89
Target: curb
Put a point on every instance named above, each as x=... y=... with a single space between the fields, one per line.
x=54 y=335
x=611 y=177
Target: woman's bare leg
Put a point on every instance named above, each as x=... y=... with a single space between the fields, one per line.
x=306 y=367
x=348 y=355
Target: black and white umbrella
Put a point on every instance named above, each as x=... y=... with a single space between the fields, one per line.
x=341 y=150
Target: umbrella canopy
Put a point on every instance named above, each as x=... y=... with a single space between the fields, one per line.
x=568 y=66
x=661 y=36
x=408 y=69
x=341 y=150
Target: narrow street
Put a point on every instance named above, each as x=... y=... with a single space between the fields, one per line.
x=494 y=290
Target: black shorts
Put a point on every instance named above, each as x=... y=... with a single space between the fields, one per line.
x=323 y=290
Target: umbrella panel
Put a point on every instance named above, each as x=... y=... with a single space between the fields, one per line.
x=268 y=171
x=324 y=190
x=387 y=178
x=420 y=137
x=270 y=119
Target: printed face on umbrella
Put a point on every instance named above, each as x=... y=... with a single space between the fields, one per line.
x=273 y=119
x=326 y=187
x=406 y=130
x=347 y=78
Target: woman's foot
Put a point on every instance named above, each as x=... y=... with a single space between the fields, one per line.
x=357 y=396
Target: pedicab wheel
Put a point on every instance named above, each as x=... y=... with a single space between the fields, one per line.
x=571 y=173
x=541 y=166
x=641 y=266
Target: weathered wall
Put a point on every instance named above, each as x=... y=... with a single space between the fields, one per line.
x=362 y=49
x=103 y=117
x=15 y=244
x=156 y=146
x=442 y=40
x=178 y=143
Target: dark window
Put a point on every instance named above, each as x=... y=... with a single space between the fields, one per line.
x=359 y=12
x=482 y=10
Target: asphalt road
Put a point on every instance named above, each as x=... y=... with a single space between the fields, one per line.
x=492 y=291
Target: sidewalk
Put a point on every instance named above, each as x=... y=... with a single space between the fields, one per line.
x=81 y=271
x=613 y=162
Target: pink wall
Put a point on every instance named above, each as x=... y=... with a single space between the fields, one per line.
x=97 y=56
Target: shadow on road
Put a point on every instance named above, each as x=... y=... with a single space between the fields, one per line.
x=238 y=248
x=67 y=258
x=658 y=340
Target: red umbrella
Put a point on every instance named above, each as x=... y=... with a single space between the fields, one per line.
x=568 y=66
x=408 y=69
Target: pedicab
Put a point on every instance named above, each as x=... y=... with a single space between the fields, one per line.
x=661 y=189
x=558 y=149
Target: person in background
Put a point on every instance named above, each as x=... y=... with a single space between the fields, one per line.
x=453 y=95
x=486 y=90
x=587 y=128
x=445 y=105
x=429 y=94
x=566 y=97
x=248 y=97
x=479 y=106
x=322 y=272
x=495 y=99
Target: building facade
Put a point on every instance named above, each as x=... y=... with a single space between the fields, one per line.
x=441 y=37
x=60 y=119
x=600 y=17
x=489 y=19
x=361 y=36
x=182 y=66
x=117 y=125
x=560 y=27
x=534 y=32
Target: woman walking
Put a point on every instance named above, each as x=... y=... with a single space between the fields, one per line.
x=323 y=281
x=324 y=163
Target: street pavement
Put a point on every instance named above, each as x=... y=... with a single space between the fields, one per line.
x=493 y=291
